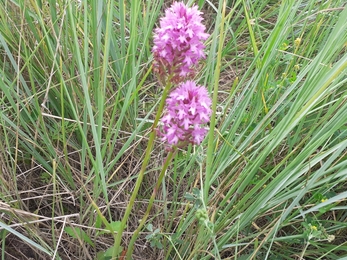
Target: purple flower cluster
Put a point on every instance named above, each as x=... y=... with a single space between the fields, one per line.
x=178 y=48
x=187 y=109
x=178 y=43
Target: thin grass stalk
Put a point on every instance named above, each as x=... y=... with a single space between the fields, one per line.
x=150 y=203
x=98 y=162
x=100 y=88
x=26 y=239
x=211 y=138
x=104 y=70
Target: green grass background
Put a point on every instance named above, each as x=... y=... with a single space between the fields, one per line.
x=78 y=99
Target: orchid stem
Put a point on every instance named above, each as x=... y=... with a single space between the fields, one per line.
x=149 y=148
x=150 y=203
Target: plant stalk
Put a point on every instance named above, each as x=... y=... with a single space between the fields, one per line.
x=142 y=170
x=150 y=204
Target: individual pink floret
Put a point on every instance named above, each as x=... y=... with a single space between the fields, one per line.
x=178 y=42
x=186 y=114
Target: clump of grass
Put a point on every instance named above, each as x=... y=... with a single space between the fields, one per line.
x=77 y=104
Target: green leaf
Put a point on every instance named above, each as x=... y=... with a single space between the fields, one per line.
x=115 y=225
x=79 y=234
x=106 y=255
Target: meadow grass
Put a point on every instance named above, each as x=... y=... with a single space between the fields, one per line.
x=78 y=100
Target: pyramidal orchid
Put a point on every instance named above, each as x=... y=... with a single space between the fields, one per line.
x=178 y=42
x=185 y=107
x=186 y=114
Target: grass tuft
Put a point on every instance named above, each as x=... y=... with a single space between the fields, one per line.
x=78 y=100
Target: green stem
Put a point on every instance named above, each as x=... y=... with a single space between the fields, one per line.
x=118 y=238
x=211 y=144
x=150 y=204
